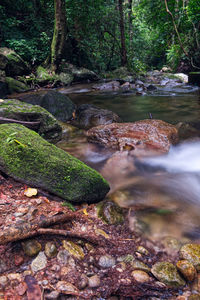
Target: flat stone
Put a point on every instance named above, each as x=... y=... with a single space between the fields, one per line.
x=106 y=261
x=140 y=276
x=94 y=281
x=66 y=287
x=39 y=262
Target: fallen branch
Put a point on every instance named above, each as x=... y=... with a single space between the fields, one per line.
x=31 y=125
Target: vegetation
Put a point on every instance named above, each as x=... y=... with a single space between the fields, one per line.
x=103 y=35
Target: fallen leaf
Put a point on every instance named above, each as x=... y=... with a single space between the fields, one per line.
x=101 y=232
x=29 y=192
x=33 y=289
x=85 y=211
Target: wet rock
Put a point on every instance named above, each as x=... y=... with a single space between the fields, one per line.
x=50 y=249
x=107 y=86
x=139 y=265
x=3 y=281
x=73 y=249
x=191 y=252
x=83 y=282
x=186 y=269
x=151 y=87
x=110 y=213
x=53 y=295
x=63 y=256
x=31 y=247
x=39 y=262
x=167 y=273
x=94 y=281
x=171 y=243
x=66 y=287
x=14 y=276
x=16 y=86
x=126 y=258
x=59 y=105
x=142 y=250
x=18 y=260
x=146 y=134
x=88 y=116
x=140 y=276
x=106 y=261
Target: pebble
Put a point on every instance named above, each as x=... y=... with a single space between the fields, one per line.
x=53 y=295
x=186 y=269
x=191 y=252
x=142 y=250
x=3 y=280
x=167 y=273
x=63 y=256
x=50 y=249
x=31 y=247
x=55 y=268
x=39 y=262
x=45 y=282
x=18 y=260
x=73 y=249
x=106 y=261
x=94 y=281
x=14 y=276
x=65 y=270
x=139 y=265
x=140 y=276
x=83 y=282
x=64 y=286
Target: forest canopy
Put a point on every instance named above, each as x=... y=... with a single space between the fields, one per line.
x=105 y=34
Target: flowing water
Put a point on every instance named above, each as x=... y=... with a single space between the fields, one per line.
x=164 y=191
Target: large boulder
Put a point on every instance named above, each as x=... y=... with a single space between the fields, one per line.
x=88 y=116
x=32 y=116
x=45 y=76
x=27 y=157
x=79 y=74
x=16 y=85
x=59 y=105
x=140 y=135
x=12 y=63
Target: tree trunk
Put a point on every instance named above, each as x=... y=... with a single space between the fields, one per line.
x=122 y=34
x=130 y=27
x=59 y=35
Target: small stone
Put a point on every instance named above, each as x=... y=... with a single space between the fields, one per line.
x=39 y=262
x=65 y=270
x=167 y=273
x=83 y=282
x=142 y=250
x=126 y=258
x=55 y=268
x=31 y=247
x=140 y=276
x=21 y=288
x=106 y=261
x=171 y=243
x=38 y=201
x=3 y=266
x=45 y=282
x=18 y=214
x=94 y=281
x=14 y=276
x=191 y=252
x=50 y=249
x=53 y=295
x=27 y=272
x=66 y=287
x=63 y=256
x=110 y=213
x=186 y=269
x=73 y=249
x=18 y=260
x=3 y=281
x=138 y=265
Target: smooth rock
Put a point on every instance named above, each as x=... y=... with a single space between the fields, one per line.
x=146 y=134
x=186 y=269
x=31 y=247
x=50 y=249
x=14 y=276
x=83 y=282
x=73 y=249
x=140 y=276
x=94 y=281
x=39 y=262
x=3 y=281
x=63 y=256
x=139 y=265
x=66 y=287
x=191 y=252
x=142 y=250
x=106 y=261
x=110 y=213
x=167 y=273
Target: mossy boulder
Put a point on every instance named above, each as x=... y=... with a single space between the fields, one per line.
x=27 y=157
x=48 y=126
x=16 y=85
x=167 y=273
x=59 y=105
x=45 y=76
x=12 y=63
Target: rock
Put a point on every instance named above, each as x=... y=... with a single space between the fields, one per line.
x=50 y=249
x=140 y=135
x=39 y=262
x=120 y=73
x=3 y=281
x=14 y=276
x=139 y=265
x=3 y=89
x=59 y=105
x=186 y=269
x=151 y=87
x=63 y=257
x=110 y=213
x=183 y=77
x=142 y=250
x=88 y=116
x=83 y=282
x=66 y=287
x=167 y=273
x=79 y=74
x=106 y=261
x=37 y=163
x=18 y=260
x=12 y=63
x=140 y=276
x=188 y=130
x=47 y=125
x=194 y=78
x=94 y=281
x=16 y=85
x=191 y=252
x=53 y=295
x=107 y=86
x=73 y=249
x=31 y=247
x=171 y=244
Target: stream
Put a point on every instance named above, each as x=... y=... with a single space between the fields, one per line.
x=164 y=192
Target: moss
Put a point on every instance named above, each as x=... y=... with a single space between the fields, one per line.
x=110 y=212
x=41 y=164
x=15 y=85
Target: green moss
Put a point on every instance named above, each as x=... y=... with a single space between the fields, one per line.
x=44 y=165
x=15 y=85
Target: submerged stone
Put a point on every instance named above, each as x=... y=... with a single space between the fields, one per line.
x=73 y=249
x=167 y=273
x=50 y=249
x=31 y=247
x=29 y=158
x=191 y=252
x=110 y=213
x=186 y=269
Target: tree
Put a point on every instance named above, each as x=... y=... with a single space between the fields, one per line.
x=59 y=35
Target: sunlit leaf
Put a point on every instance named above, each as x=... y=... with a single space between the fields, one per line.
x=30 y=192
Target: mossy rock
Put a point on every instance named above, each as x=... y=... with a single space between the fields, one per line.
x=45 y=76
x=48 y=127
x=12 y=63
x=16 y=85
x=27 y=157
x=59 y=105
x=167 y=273
x=191 y=252
x=110 y=213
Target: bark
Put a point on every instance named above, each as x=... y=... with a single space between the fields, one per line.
x=59 y=35
x=122 y=34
